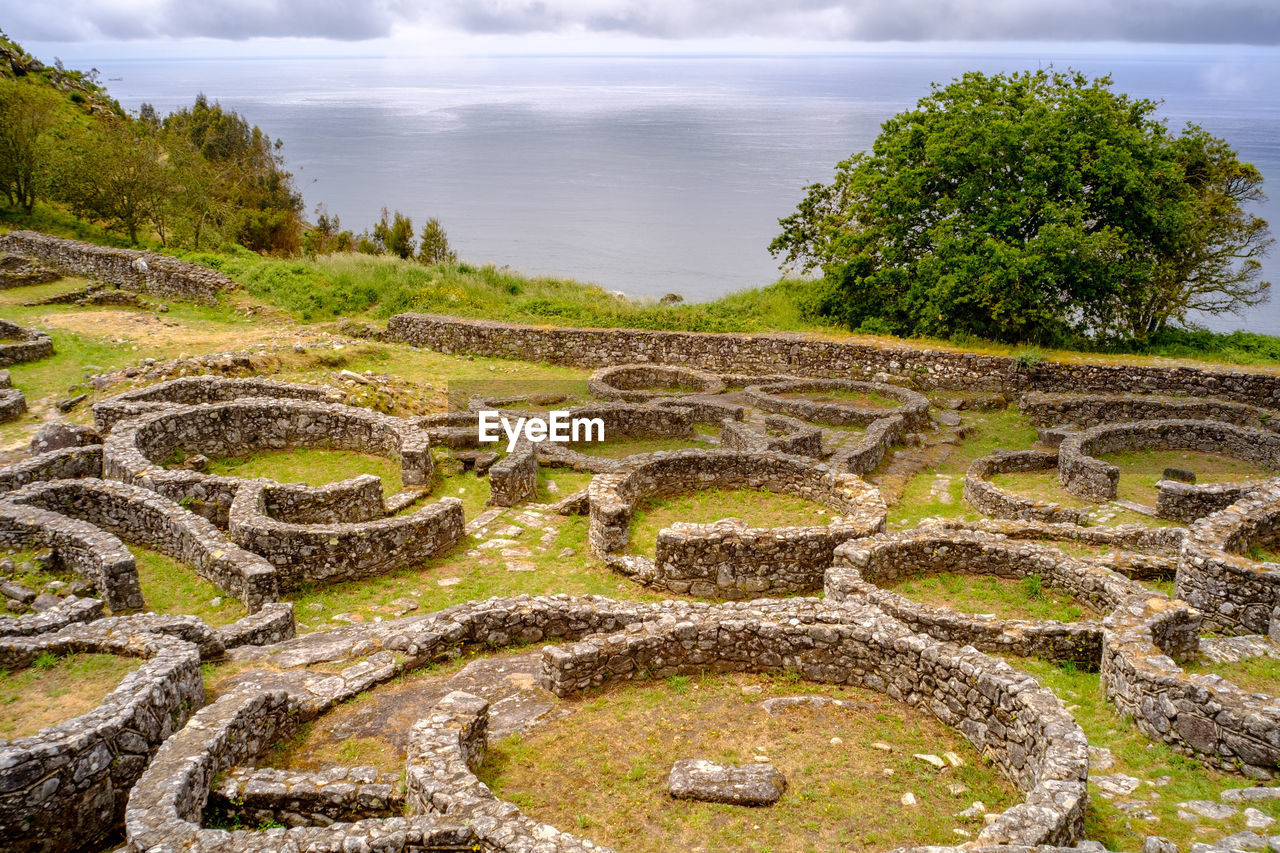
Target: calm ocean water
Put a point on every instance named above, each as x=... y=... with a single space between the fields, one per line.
x=647 y=175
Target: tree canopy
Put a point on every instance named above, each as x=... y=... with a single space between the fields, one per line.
x=1039 y=206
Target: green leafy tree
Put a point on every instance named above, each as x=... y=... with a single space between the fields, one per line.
x=395 y=234
x=27 y=114
x=1038 y=206
x=114 y=173
x=433 y=246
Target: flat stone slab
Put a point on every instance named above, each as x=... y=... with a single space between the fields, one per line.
x=736 y=785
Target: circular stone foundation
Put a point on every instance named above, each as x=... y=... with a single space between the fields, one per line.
x=912 y=406
x=637 y=383
x=724 y=561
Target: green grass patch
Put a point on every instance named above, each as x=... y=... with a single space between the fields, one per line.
x=758 y=508
x=1256 y=675
x=1006 y=598
x=54 y=689
x=172 y=587
x=1140 y=470
x=311 y=466
x=845 y=397
x=624 y=447
x=601 y=772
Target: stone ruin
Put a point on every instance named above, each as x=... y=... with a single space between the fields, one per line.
x=156 y=745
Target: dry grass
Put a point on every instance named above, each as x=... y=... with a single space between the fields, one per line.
x=601 y=772
x=54 y=689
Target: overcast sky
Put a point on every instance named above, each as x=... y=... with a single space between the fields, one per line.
x=383 y=25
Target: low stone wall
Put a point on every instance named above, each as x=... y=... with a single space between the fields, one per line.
x=66 y=787
x=989 y=499
x=293 y=798
x=19 y=344
x=13 y=404
x=1084 y=475
x=72 y=611
x=1188 y=501
x=866 y=453
x=800 y=355
x=1235 y=594
x=722 y=560
x=914 y=408
x=861 y=566
x=445 y=748
x=1090 y=410
x=66 y=464
x=638 y=383
x=197 y=390
x=1200 y=715
x=324 y=553
x=1024 y=728
x=514 y=478
x=135 y=450
x=137 y=515
x=779 y=433
x=349 y=501
x=81 y=547
x=145 y=272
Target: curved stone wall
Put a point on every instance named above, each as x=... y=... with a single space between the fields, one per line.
x=779 y=433
x=146 y=272
x=196 y=390
x=722 y=560
x=138 y=515
x=66 y=464
x=914 y=408
x=1091 y=478
x=1200 y=715
x=324 y=553
x=1090 y=410
x=135 y=450
x=989 y=499
x=861 y=566
x=13 y=404
x=1235 y=593
x=638 y=383
x=67 y=785
x=18 y=343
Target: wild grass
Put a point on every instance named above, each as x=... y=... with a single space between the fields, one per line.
x=758 y=508
x=172 y=587
x=57 y=688
x=1256 y=675
x=1006 y=598
x=312 y=466
x=601 y=772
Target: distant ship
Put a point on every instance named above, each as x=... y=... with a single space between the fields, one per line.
x=114 y=79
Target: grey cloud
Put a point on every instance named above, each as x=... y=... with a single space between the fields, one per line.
x=1223 y=21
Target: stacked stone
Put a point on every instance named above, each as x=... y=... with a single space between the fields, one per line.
x=135 y=450
x=814 y=357
x=68 y=463
x=1084 y=475
x=293 y=798
x=1236 y=594
x=146 y=272
x=990 y=499
x=318 y=553
x=17 y=271
x=514 y=479
x=779 y=433
x=196 y=390
x=861 y=566
x=68 y=784
x=727 y=560
x=72 y=611
x=135 y=514
x=866 y=453
x=355 y=500
x=12 y=401
x=29 y=344
x=638 y=383
x=914 y=408
x=1200 y=715
x=1089 y=410
x=445 y=748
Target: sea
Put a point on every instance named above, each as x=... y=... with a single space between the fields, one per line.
x=651 y=174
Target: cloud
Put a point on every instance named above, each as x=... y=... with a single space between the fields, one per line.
x=1213 y=21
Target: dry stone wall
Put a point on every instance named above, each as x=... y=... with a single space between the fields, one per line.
x=66 y=786
x=989 y=499
x=194 y=390
x=19 y=344
x=913 y=408
x=638 y=383
x=1090 y=410
x=144 y=272
x=68 y=463
x=514 y=479
x=727 y=560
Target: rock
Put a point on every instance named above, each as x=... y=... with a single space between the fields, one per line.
x=1100 y=759
x=1209 y=809
x=752 y=690
x=1255 y=819
x=44 y=601
x=908 y=799
x=743 y=785
x=931 y=759
x=1116 y=785
x=1158 y=844
x=1182 y=475
x=975 y=811
x=1230 y=795
x=57 y=436
x=18 y=592
x=71 y=402
x=1242 y=841
x=953 y=759
x=950 y=419
x=403 y=605
x=565 y=552
x=882 y=746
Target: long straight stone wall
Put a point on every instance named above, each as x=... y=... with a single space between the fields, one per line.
x=144 y=272
x=807 y=356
